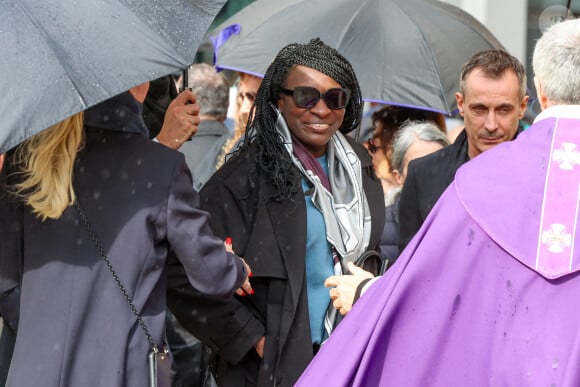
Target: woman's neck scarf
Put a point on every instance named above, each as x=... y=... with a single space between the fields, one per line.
x=340 y=197
x=342 y=202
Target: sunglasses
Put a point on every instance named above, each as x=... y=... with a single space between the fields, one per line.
x=306 y=97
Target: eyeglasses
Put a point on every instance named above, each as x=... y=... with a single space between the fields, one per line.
x=307 y=97
x=371 y=146
x=251 y=97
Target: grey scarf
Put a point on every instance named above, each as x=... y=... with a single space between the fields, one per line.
x=345 y=208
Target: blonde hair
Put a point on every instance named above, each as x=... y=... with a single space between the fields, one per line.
x=47 y=159
x=239 y=124
x=239 y=130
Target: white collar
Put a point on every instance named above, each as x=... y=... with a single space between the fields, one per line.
x=559 y=111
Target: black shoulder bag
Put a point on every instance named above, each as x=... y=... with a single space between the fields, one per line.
x=159 y=361
x=373 y=262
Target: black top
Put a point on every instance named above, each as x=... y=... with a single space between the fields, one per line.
x=427 y=178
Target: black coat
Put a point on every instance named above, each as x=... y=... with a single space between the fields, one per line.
x=390 y=236
x=271 y=236
x=427 y=178
x=203 y=150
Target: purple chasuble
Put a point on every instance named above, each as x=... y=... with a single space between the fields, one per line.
x=487 y=293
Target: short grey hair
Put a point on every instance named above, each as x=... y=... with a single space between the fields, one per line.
x=556 y=62
x=211 y=89
x=408 y=134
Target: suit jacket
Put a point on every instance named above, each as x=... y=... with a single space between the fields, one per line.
x=427 y=178
x=202 y=151
x=271 y=236
x=390 y=236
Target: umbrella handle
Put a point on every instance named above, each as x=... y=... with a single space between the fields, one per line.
x=185 y=86
x=184 y=80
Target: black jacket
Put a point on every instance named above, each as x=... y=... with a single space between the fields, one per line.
x=427 y=178
x=390 y=236
x=203 y=150
x=271 y=236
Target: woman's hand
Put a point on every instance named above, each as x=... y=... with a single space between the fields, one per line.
x=344 y=287
x=259 y=346
x=246 y=286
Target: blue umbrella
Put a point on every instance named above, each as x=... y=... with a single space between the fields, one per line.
x=404 y=52
x=60 y=57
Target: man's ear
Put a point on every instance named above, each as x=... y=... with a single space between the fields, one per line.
x=542 y=99
x=399 y=178
x=140 y=92
x=523 y=106
x=459 y=99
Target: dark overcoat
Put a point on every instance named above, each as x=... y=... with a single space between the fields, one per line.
x=203 y=150
x=271 y=236
x=390 y=236
x=427 y=178
x=74 y=326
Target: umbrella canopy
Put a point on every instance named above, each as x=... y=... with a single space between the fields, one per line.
x=60 y=57
x=404 y=52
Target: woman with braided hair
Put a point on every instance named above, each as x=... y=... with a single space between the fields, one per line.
x=300 y=201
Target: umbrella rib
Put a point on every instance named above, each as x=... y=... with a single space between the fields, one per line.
x=51 y=43
x=432 y=55
x=77 y=54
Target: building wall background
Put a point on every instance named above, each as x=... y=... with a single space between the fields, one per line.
x=506 y=19
x=517 y=24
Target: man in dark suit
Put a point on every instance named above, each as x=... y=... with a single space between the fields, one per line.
x=168 y=114
x=492 y=100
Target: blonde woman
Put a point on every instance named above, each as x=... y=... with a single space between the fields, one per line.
x=247 y=86
x=74 y=325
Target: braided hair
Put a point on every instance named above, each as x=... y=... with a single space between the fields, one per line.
x=272 y=158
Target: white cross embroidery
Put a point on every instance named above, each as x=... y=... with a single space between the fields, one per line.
x=556 y=238
x=567 y=157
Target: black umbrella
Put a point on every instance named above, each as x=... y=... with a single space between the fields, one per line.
x=59 y=57
x=405 y=52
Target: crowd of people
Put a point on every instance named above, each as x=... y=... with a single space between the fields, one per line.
x=484 y=294
x=286 y=251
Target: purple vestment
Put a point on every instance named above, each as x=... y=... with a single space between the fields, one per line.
x=488 y=291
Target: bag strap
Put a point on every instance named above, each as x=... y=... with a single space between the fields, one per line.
x=381 y=264
x=101 y=251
